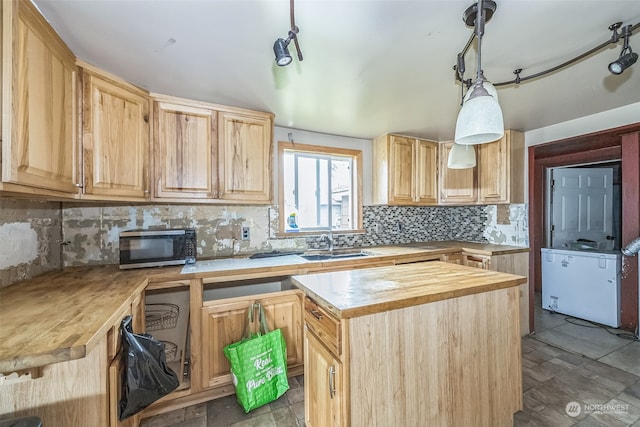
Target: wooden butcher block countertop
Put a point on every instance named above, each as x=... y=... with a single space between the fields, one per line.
x=353 y=293
x=471 y=247
x=61 y=315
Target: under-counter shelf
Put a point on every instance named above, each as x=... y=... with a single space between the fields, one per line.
x=167 y=320
x=245 y=288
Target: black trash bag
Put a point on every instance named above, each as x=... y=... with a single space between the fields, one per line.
x=145 y=374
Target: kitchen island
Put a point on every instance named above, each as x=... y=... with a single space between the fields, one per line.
x=417 y=344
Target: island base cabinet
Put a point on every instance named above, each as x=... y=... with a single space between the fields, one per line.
x=324 y=394
x=454 y=362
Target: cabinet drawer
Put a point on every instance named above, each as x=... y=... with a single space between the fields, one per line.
x=477 y=261
x=325 y=326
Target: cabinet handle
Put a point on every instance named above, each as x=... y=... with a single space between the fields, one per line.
x=316 y=314
x=475 y=259
x=332 y=385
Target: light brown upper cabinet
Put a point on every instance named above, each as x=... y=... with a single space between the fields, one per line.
x=497 y=178
x=501 y=170
x=115 y=138
x=405 y=171
x=457 y=186
x=246 y=150
x=185 y=143
x=211 y=153
x=39 y=144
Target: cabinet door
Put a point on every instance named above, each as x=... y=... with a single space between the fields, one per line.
x=224 y=323
x=426 y=172
x=39 y=104
x=185 y=152
x=457 y=186
x=323 y=385
x=494 y=169
x=401 y=170
x=246 y=149
x=115 y=139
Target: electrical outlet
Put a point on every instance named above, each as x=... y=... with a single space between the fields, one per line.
x=376 y=228
x=246 y=233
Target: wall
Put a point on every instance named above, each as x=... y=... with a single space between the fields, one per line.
x=30 y=233
x=626 y=115
x=327 y=140
x=507 y=225
x=92 y=232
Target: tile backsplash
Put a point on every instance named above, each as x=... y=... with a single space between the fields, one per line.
x=92 y=232
x=42 y=236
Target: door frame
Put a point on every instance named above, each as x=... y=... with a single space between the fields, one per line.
x=611 y=144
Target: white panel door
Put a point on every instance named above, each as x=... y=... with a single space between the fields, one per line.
x=582 y=207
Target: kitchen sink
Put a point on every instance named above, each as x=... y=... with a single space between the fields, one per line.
x=333 y=255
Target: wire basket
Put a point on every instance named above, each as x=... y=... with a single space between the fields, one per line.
x=161 y=316
x=171 y=351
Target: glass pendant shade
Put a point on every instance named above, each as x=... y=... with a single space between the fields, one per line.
x=479 y=120
x=461 y=157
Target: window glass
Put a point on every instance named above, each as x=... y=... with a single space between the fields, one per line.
x=318 y=188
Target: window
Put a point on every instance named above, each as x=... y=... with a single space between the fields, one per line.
x=319 y=188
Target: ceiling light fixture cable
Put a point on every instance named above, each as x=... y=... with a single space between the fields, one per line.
x=280 y=47
x=480 y=118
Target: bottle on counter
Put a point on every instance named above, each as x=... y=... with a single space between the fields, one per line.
x=292 y=222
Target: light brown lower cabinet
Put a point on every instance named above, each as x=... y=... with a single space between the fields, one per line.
x=455 y=362
x=324 y=394
x=513 y=263
x=224 y=321
x=455 y=258
x=79 y=392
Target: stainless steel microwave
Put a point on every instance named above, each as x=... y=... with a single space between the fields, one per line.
x=155 y=248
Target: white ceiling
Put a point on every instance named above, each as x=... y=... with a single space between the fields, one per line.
x=370 y=66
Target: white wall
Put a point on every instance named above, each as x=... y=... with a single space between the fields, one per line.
x=626 y=115
x=629 y=114
x=327 y=140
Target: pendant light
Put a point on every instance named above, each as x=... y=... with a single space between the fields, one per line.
x=461 y=157
x=480 y=118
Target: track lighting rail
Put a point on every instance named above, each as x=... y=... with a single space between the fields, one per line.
x=615 y=37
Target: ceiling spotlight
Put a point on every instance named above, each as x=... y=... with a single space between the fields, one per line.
x=480 y=118
x=623 y=62
x=627 y=57
x=280 y=47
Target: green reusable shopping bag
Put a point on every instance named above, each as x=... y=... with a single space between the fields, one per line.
x=258 y=364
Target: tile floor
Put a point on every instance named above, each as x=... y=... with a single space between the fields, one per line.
x=287 y=411
x=562 y=363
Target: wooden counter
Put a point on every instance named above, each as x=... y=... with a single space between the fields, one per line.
x=471 y=247
x=353 y=293
x=59 y=316
x=428 y=343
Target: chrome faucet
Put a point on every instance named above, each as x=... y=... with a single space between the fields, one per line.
x=329 y=239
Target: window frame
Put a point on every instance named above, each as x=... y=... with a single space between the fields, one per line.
x=356 y=184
